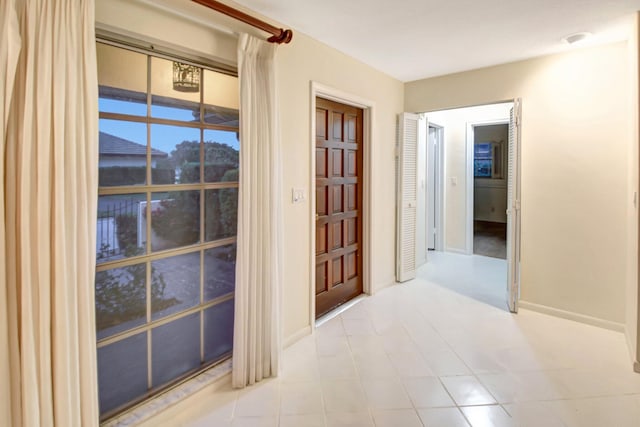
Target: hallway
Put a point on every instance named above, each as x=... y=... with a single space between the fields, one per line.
x=440 y=350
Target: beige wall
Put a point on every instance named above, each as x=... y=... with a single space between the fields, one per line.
x=135 y=18
x=308 y=60
x=632 y=319
x=298 y=63
x=455 y=158
x=575 y=188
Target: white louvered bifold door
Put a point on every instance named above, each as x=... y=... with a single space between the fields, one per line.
x=407 y=192
x=513 y=210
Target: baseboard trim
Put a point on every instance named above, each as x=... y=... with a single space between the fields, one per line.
x=296 y=336
x=570 y=315
x=390 y=281
x=457 y=251
x=630 y=347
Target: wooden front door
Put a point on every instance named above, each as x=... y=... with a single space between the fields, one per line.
x=338 y=204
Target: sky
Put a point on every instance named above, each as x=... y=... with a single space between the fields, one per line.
x=163 y=137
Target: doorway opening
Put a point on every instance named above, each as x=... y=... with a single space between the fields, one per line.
x=480 y=198
x=350 y=117
x=339 y=145
x=490 y=159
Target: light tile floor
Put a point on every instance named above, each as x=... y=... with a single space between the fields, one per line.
x=442 y=351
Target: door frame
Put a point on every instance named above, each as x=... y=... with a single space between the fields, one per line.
x=320 y=90
x=469 y=168
x=438 y=196
x=439 y=185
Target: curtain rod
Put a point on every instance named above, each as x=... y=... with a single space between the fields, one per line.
x=279 y=35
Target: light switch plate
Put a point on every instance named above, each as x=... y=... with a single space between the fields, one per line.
x=297 y=195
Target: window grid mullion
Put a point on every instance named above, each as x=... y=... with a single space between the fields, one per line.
x=164 y=320
x=148 y=257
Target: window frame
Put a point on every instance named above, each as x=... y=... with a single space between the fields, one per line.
x=496 y=157
x=149 y=256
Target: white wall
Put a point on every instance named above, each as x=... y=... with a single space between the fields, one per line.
x=298 y=63
x=632 y=297
x=490 y=200
x=575 y=172
x=455 y=159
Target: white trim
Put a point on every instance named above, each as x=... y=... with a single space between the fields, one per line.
x=368 y=107
x=382 y=284
x=469 y=178
x=296 y=336
x=423 y=206
x=440 y=193
x=630 y=347
x=339 y=310
x=457 y=251
x=570 y=315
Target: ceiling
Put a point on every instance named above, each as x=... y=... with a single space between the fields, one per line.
x=415 y=39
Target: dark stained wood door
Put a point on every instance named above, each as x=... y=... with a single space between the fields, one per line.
x=338 y=204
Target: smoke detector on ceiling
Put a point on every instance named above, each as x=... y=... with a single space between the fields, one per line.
x=576 y=37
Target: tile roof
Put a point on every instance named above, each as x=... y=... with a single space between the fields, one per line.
x=112 y=145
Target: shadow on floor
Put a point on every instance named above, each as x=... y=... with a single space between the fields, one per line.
x=481 y=278
x=490 y=239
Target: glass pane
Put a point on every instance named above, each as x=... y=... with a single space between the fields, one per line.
x=175 y=284
x=221 y=213
x=175 y=219
x=120 y=231
x=121 y=297
x=172 y=79
x=221 y=156
x=174 y=109
x=219 y=271
x=122 y=371
x=218 y=330
x=221 y=116
x=482 y=168
x=482 y=150
x=121 y=101
x=122 y=88
x=123 y=153
x=175 y=348
x=175 y=155
x=221 y=90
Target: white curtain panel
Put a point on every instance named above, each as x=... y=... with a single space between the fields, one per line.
x=257 y=335
x=9 y=50
x=49 y=123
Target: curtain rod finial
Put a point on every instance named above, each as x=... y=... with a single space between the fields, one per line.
x=284 y=37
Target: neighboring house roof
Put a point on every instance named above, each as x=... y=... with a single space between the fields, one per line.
x=111 y=145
